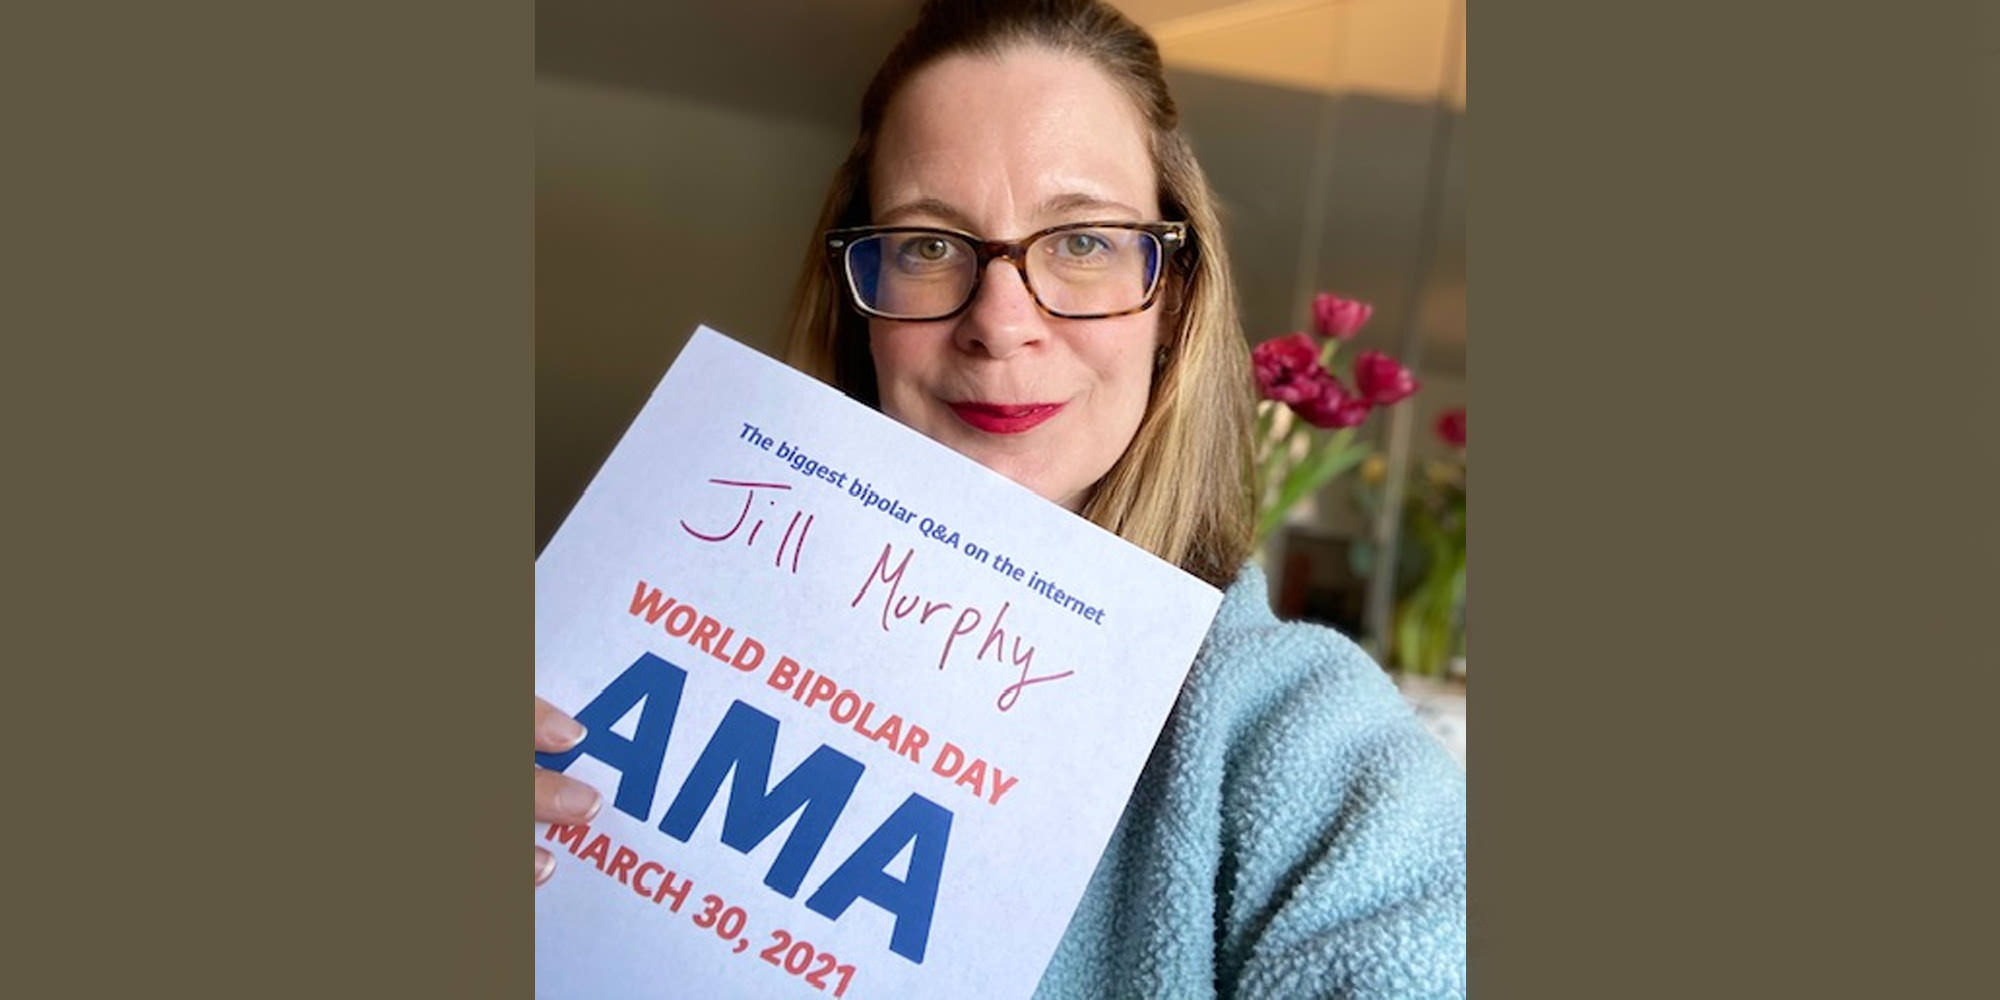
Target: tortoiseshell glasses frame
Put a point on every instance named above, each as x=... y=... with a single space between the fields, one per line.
x=1165 y=239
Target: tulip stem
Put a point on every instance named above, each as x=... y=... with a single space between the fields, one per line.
x=1338 y=453
x=1273 y=450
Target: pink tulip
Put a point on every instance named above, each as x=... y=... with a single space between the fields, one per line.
x=1382 y=381
x=1332 y=405
x=1451 y=427
x=1287 y=368
x=1339 y=318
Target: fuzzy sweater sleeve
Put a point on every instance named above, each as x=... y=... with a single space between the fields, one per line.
x=1296 y=833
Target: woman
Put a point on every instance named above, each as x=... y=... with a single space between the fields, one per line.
x=1021 y=259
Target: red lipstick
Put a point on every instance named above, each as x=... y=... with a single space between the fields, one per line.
x=997 y=418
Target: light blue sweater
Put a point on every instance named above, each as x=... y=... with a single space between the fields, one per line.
x=1296 y=833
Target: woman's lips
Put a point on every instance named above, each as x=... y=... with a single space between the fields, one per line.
x=998 y=418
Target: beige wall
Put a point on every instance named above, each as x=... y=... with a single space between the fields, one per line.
x=653 y=213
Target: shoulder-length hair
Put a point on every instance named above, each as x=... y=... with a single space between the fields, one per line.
x=1182 y=488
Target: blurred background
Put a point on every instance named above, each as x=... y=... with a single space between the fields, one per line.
x=682 y=151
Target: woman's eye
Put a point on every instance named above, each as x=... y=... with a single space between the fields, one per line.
x=926 y=250
x=1083 y=244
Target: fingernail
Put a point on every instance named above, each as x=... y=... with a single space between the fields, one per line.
x=545 y=865
x=561 y=730
x=579 y=800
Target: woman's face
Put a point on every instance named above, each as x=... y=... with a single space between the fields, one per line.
x=1002 y=147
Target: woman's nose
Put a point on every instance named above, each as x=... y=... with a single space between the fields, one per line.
x=1003 y=317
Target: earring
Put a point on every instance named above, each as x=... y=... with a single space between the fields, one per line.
x=1160 y=359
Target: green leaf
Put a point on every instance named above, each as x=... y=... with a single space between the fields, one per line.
x=1329 y=458
x=1427 y=626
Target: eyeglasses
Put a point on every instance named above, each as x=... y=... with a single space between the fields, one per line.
x=1083 y=270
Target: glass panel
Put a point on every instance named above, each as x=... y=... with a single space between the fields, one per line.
x=911 y=274
x=1083 y=272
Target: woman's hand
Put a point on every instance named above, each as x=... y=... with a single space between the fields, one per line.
x=558 y=798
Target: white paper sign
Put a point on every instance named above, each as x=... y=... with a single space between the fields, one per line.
x=863 y=711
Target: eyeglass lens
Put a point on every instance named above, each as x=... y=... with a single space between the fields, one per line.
x=1073 y=272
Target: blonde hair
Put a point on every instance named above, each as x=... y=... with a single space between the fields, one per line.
x=1181 y=490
